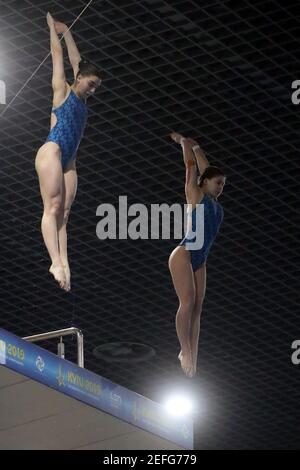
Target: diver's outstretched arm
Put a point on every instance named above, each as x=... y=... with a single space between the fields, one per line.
x=73 y=52
x=58 y=74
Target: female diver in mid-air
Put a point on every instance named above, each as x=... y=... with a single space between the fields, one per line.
x=188 y=265
x=55 y=160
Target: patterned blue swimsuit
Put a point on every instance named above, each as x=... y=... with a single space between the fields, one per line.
x=213 y=217
x=68 y=131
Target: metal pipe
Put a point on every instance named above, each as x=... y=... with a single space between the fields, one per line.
x=57 y=334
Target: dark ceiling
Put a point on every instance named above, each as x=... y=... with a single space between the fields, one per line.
x=220 y=72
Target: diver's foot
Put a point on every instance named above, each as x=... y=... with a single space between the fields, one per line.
x=58 y=273
x=68 y=276
x=186 y=363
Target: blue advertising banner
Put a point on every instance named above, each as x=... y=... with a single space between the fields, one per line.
x=66 y=377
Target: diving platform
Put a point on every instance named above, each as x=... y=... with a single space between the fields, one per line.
x=49 y=403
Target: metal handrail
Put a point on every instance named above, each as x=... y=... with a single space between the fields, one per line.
x=57 y=334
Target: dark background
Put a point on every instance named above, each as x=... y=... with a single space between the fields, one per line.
x=221 y=72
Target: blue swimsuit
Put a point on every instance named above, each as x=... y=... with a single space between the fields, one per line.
x=68 y=131
x=213 y=217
